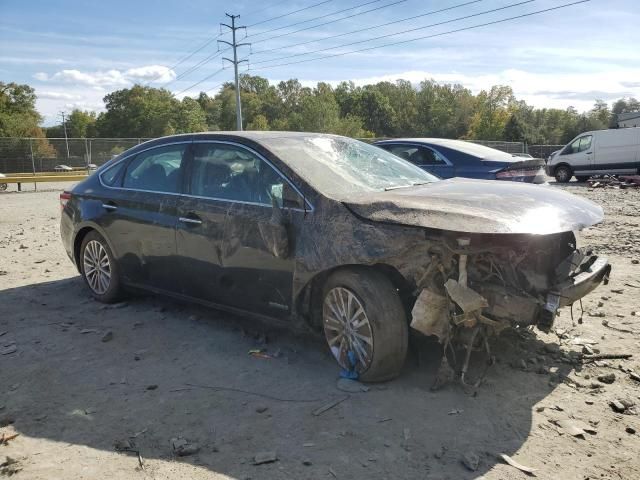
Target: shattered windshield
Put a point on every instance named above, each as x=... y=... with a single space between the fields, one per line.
x=340 y=166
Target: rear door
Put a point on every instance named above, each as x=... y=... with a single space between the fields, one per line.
x=229 y=202
x=141 y=215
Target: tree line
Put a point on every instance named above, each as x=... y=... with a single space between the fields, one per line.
x=384 y=109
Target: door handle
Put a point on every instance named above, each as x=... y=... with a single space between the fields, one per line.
x=192 y=221
x=589 y=153
x=109 y=206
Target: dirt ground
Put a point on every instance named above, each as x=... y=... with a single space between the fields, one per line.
x=175 y=371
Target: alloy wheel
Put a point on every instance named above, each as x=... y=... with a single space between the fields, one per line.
x=347 y=329
x=97 y=268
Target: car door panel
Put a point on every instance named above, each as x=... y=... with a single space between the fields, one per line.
x=229 y=261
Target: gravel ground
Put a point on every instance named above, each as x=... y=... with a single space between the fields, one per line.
x=84 y=401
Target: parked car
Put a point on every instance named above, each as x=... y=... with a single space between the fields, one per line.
x=329 y=233
x=615 y=152
x=62 y=168
x=456 y=158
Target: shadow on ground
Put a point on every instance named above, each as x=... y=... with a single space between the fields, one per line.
x=65 y=384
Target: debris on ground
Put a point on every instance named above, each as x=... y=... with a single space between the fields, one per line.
x=519 y=466
x=8 y=349
x=182 y=447
x=107 y=337
x=575 y=428
x=10 y=466
x=5 y=438
x=607 y=378
x=471 y=461
x=351 y=386
x=261 y=409
x=265 y=457
x=614 y=181
x=327 y=406
x=617 y=406
x=630 y=430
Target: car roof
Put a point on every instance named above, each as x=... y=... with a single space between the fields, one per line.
x=470 y=148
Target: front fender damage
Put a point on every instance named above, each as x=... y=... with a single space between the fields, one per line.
x=478 y=286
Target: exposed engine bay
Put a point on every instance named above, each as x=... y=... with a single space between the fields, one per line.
x=477 y=285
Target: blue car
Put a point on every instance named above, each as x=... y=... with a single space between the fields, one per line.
x=456 y=158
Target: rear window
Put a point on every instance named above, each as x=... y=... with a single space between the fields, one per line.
x=112 y=176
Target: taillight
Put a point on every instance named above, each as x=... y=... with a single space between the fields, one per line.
x=64 y=198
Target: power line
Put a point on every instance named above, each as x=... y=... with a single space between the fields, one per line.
x=268 y=7
x=316 y=18
x=201 y=81
x=290 y=13
x=433 y=12
x=512 y=5
x=402 y=42
x=196 y=66
x=185 y=58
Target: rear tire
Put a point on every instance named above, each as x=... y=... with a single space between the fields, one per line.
x=368 y=306
x=563 y=174
x=99 y=270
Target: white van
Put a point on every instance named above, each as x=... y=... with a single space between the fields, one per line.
x=596 y=153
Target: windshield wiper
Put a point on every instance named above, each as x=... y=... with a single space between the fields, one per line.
x=405 y=186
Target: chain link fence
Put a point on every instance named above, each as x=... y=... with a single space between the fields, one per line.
x=35 y=155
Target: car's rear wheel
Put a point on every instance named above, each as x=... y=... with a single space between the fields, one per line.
x=563 y=174
x=365 y=324
x=99 y=270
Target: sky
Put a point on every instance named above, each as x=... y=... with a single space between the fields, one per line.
x=75 y=52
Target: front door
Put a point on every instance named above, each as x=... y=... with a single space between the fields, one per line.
x=221 y=233
x=579 y=155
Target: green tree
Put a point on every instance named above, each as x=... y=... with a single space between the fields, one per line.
x=148 y=112
x=259 y=122
x=492 y=113
x=18 y=115
x=81 y=124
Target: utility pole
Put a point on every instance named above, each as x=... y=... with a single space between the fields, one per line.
x=66 y=140
x=235 y=62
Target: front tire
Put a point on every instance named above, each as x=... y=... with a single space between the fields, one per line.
x=365 y=324
x=99 y=269
x=563 y=174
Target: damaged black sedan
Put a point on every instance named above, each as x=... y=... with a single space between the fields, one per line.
x=327 y=232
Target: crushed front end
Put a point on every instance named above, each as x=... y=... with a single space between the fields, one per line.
x=476 y=285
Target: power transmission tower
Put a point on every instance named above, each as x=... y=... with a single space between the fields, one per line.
x=235 y=62
x=66 y=140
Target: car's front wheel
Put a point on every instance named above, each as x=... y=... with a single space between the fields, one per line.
x=99 y=269
x=563 y=174
x=365 y=324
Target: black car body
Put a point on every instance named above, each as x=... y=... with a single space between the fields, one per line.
x=457 y=158
x=325 y=231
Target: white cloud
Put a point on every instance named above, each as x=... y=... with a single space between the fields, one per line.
x=59 y=95
x=43 y=77
x=112 y=78
x=151 y=73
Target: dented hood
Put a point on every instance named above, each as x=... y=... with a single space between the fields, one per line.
x=479 y=206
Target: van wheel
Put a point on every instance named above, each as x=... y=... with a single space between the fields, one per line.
x=563 y=174
x=365 y=324
x=99 y=269
x=583 y=178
